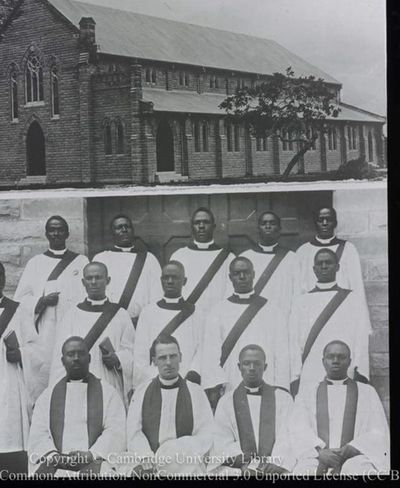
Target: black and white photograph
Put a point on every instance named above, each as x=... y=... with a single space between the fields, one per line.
x=194 y=240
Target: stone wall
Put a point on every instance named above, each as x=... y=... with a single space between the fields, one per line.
x=362 y=217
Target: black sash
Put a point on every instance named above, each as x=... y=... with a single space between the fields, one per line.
x=101 y=323
x=10 y=307
x=208 y=276
x=65 y=261
x=349 y=417
x=322 y=319
x=266 y=438
x=133 y=279
x=151 y=412
x=270 y=269
x=339 y=250
x=94 y=410
x=241 y=324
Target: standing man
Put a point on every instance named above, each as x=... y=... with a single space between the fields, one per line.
x=169 y=422
x=339 y=425
x=206 y=264
x=50 y=285
x=252 y=422
x=276 y=267
x=107 y=330
x=172 y=315
x=78 y=422
x=325 y=313
x=19 y=361
x=243 y=318
x=134 y=273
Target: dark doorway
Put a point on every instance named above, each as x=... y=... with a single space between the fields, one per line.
x=35 y=151
x=165 y=147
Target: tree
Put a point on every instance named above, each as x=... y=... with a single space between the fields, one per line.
x=293 y=109
x=6 y=6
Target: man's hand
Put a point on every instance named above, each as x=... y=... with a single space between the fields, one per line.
x=80 y=459
x=13 y=356
x=347 y=452
x=146 y=467
x=214 y=394
x=273 y=468
x=49 y=300
x=330 y=458
x=111 y=360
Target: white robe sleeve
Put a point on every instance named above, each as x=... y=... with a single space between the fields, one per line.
x=125 y=349
x=141 y=368
x=295 y=349
x=155 y=290
x=136 y=440
x=280 y=360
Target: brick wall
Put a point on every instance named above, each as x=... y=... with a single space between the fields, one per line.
x=362 y=217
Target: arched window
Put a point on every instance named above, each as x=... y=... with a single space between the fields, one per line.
x=34 y=80
x=55 y=96
x=205 y=136
x=370 y=147
x=148 y=75
x=165 y=147
x=14 y=95
x=237 y=137
x=197 y=136
x=354 y=137
x=107 y=137
x=120 y=137
x=35 y=151
x=332 y=139
x=229 y=129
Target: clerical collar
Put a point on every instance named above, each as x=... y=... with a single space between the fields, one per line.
x=244 y=296
x=337 y=382
x=203 y=245
x=267 y=249
x=325 y=242
x=125 y=249
x=172 y=300
x=253 y=391
x=326 y=286
x=169 y=384
x=57 y=252
x=76 y=381
x=97 y=302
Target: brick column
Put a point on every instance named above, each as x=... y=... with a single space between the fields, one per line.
x=187 y=146
x=324 y=163
x=88 y=170
x=248 y=151
x=221 y=148
x=275 y=154
x=343 y=143
x=138 y=171
x=361 y=135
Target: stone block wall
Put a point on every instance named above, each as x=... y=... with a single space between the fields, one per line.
x=362 y=217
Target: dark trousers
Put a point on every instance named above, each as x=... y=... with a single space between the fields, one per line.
x=14 y=462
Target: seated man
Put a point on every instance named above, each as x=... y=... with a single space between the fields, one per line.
x=169 y=421
x=251 y=422
x=170 y=315
x=339 y=425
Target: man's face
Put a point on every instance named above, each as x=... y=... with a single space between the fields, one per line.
x=76 y=359
x=325 y=223
x=336 y=361
x=325 y=267
x=172 y=280
x=167 y=359
x=269 y=229
x=242 y=276
x=57 y=234
x=122 y=232
x=95 y=281
x=202 y=227
x=252 y=366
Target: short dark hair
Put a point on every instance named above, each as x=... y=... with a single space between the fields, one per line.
x=328 y=251
x=120 y=216
x=102 y=265
x=252 y=347
x=341 y=343
x=59 y=218
x=73 y=339
x=240 y=258
x=323 y=207
x=162 y=339
x=203 y=209
x=269 y=212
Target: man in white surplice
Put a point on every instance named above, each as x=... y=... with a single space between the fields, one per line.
x=243 y=318
x=276 y=267
x=107 y=329
x=169 y=424
x=206 y=265
x=339 y=425
x=252 y=423
x=325 y=313
x=49 y=286
x=20 y=355
x=171 y=315
x=135 y=273
x=79 y=423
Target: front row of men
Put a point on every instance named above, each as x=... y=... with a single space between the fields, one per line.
x=79 y=423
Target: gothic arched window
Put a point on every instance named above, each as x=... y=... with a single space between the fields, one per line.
x=55 y=96
x=107 y=137
x=204 y=129
x=14 y=95
x=120 y=137
x=34 y=79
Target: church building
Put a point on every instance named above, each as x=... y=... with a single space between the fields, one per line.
x=94 y=95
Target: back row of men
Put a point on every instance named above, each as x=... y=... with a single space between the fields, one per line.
x=291 y=304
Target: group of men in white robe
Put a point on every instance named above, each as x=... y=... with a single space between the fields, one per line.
x=213 y=303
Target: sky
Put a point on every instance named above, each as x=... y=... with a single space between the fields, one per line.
x=345 y=38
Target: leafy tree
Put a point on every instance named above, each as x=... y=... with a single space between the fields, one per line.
x=6 y=7
x=293 y=109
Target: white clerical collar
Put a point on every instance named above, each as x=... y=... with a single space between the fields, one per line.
x=58 y=252
x=245 y=296
x=326 y=286
x=253 y=390
x=125 y=249
x=172 y=300
x=97 y=302
x=267 y=248
x=76 y=381
x=168 y=382
x=203 y=245
x=326 y=242
x=337 y=382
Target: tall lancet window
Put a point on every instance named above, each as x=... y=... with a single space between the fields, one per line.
x=55 y=97
x=14 y=96
x=34 y=80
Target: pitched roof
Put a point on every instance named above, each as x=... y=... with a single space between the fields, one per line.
x=207 y=103
x=141 y=36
